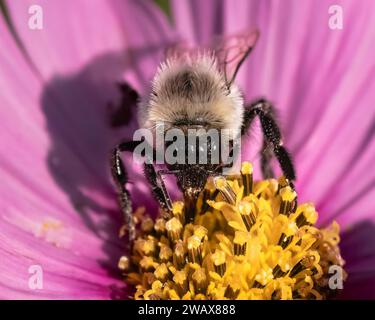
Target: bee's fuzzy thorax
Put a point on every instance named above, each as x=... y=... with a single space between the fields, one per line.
x=194 y=89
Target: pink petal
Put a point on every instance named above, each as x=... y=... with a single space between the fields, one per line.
x=58 y=206
x=358 y=250
x=75 y=32
x=29 y=197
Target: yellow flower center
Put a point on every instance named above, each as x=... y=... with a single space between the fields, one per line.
x=253 y=241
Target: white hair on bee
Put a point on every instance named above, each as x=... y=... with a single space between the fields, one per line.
x=191 y=89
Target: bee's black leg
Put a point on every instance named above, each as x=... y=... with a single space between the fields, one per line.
x=264 y=110
x=158 y=187
x=120 y=177
x=265 y=160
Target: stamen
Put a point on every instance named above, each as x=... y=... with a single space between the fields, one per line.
x=239 y=243
x=307 y=217
x=147 y=263
x=218 y=258
x=161 y=272
x=149 y=246
x=284 y=240
x=180 y=278
x=247 y=177
x=308 y=261
x=179 y=254
x=165 y=253
x=174 y=229
x=283 y=182
x=225 y=189
x=247 y=216
x=178 y=211
x=301 y=220
x=195 y=249
x=288 y=195
x=296 y=269
x=230 y=293
x=200 y=231
x=147 y=225
x=277 y=272
x=124 y=263
x=200 y=280
x=160 y=226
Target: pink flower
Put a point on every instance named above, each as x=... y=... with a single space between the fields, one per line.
x=58 y=206
x=322 y=82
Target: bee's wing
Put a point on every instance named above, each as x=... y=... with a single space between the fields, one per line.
x=232 y=51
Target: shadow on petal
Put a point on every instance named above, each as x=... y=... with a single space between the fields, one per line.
x=358 y=250
x=75 y=107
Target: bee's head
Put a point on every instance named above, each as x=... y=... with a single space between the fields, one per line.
x=192 y=93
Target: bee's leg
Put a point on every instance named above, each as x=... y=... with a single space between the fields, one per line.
x=264 y=110
x=265 y=160
x=120 y=177
x=158 y=187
